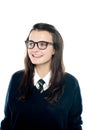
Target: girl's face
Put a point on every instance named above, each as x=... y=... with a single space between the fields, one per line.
x=36 y=55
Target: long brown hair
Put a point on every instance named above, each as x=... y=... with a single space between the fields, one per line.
x=57 y=67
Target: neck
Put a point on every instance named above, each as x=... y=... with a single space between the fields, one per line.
x=42 y=70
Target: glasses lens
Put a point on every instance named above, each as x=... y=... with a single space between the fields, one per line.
x=42 y=45
x=30 y=44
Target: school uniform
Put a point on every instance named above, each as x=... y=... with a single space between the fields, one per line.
x=36 y=113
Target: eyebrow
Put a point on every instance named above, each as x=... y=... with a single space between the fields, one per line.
x=41 y=41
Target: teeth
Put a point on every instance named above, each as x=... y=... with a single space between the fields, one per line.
x=37 y=56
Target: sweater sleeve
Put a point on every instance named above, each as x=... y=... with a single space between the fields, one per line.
x=5 y=123
x=75 y=120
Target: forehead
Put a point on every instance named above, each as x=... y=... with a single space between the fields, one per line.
x=40 y=35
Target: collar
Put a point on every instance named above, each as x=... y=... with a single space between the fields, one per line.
x=46 y=79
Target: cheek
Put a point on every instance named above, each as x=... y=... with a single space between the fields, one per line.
x=29 y=52
x=49 y=54
x=51 y=51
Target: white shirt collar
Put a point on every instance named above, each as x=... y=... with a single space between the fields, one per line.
x=46 y=79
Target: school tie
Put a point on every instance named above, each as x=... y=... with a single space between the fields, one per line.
x=41 y=83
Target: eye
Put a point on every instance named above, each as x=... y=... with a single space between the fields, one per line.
x=41 y=43
x=30 y=43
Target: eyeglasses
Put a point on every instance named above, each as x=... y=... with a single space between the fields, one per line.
x=42 y=45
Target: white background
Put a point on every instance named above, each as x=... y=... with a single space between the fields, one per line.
x=16 y=20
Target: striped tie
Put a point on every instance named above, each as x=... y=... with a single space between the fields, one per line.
x=41 y=83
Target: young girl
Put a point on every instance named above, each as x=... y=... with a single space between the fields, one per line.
x=43 y=96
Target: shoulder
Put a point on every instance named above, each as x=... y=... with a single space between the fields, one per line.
x=14 y=83
x=17 y=74
x=71 y=81
x=16 y=78
x=72 y=89
x=70 y=78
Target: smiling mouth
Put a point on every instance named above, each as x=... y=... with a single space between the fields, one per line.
x=36 y=56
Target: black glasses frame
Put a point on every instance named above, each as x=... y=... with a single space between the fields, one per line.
x=28 y=42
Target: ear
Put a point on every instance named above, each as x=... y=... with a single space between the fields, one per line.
x=53 y=51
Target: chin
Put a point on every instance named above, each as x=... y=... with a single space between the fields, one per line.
x=35 y=63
